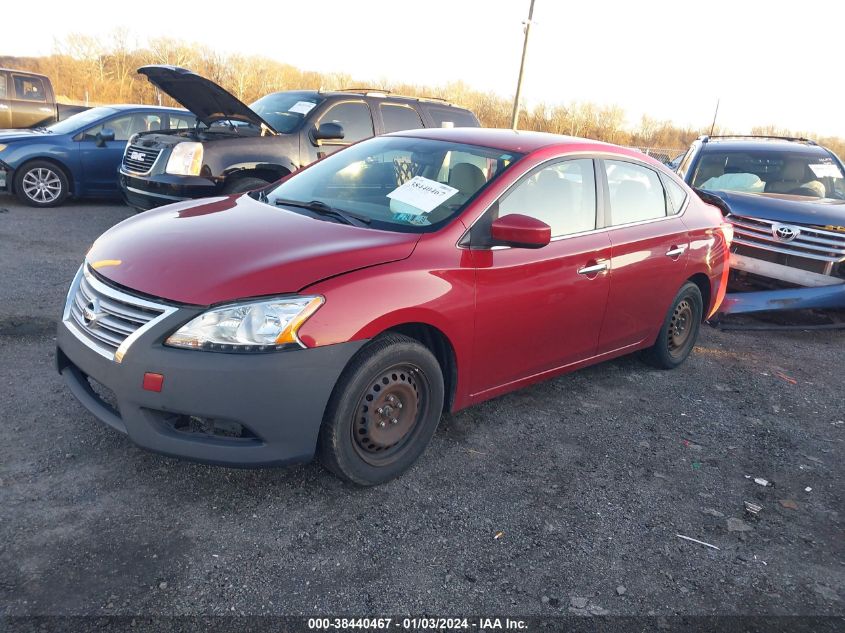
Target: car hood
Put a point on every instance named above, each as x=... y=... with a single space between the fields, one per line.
x=785 y=208
x=216 y=250
x=204 y=98
x=10 y=136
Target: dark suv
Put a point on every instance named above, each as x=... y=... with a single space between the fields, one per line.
x=236 y=147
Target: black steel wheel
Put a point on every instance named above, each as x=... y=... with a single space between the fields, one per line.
x=680 y=329
x=383 y=411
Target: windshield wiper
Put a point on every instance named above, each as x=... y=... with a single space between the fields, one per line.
x=321 y=208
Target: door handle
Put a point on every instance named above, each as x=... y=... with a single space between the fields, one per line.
x=676 y=251
x=592 y=270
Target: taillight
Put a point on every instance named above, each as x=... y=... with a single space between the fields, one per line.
x=728 y=232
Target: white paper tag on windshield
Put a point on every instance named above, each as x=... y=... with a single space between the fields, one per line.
x=826 y=170
x=302 y=107
x=422 y=194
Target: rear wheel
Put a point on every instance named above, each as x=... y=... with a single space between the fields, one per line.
x=383 y=411
x=679 y=331
x=41 y=184
x=240 y=185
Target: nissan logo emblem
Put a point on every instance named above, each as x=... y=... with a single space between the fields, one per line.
x=785 y=233
x=91 y=313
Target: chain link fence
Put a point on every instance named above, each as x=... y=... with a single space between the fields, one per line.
x=663 y=154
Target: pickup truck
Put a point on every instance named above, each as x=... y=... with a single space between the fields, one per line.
x=27 y=100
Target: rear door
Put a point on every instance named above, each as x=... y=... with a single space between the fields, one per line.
x=29 y=101
x=648 y=257
x=542 y=309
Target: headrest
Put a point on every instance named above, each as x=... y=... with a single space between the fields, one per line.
x=467 y=178
x=793 y=169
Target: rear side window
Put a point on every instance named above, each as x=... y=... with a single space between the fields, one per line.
x=635 y=193
x=355 y=118
x=29 y=88
x=452 y=117
x=181 y=122
x=2 y=86
x=675 y=196
x=399 y=117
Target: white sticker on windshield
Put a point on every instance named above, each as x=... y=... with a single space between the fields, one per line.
x=826 y=170
x=422 y=195
x=302 y=107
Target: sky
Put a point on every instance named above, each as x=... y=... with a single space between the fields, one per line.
x=768 y=62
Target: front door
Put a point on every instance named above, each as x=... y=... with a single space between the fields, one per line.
x=357 y=122
x=100 y=160
x=649 y=255
x=539 y=310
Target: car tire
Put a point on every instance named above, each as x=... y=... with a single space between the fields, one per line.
x=383 y=411
x=41 y=184
x=679 y=331
x=242 y=185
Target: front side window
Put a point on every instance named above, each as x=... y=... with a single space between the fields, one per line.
x=29 y=88
x=124 y=126
x=354 y=117
x=395 y=183
x=562 y=195
x=399 y=117
x=808 y=174
x=635 y=192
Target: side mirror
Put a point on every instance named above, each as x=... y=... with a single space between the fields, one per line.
x=329 y=132
x=105 y=135
x=520 y=231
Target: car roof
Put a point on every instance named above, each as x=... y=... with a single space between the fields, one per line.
x=371 y=93
x=750 y=144
x=120 y=107
x=517 y=141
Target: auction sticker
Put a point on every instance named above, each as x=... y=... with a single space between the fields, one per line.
x=422 y=194
x=302 y=107
x=825 y=170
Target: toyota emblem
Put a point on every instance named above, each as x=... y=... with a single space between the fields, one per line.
x=785 y=233
x=91 y=313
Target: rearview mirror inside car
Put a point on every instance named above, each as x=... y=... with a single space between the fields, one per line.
x=329 y=132
x=105 y=135
x=520 y=231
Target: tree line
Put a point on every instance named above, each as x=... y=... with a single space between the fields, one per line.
x=101 y=70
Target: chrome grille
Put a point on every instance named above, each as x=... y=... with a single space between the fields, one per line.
x=139 y=160
x=106 y=319
x=810 y=243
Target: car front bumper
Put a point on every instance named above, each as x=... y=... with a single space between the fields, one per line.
x=155 y=190
x=277 y=399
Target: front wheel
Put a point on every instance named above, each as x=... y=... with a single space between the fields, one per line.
x=383 y=411
x=679 y=331
x=41 y=184
x=242 y=185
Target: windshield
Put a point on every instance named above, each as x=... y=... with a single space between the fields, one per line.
x=284 y=111
x=80 y=120
x=807 y=174
x=397 y=183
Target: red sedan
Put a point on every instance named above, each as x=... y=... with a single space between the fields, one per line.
x=342 y=310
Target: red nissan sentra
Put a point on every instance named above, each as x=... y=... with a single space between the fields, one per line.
x=342 y=310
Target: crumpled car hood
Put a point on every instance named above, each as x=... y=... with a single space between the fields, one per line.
x=785 y=208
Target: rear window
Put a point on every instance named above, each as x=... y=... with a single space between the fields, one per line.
x=809 y=174
x=636 y=193
x=452 y=117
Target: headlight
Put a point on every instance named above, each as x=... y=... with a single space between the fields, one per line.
x=185 y=159
x=256 y=326
x=2 y=147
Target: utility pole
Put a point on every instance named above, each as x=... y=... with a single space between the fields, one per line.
x=715 y=114
x=515 y=117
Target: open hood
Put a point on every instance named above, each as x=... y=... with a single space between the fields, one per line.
x=785 y=208
x=216 y=250
x=204 y=98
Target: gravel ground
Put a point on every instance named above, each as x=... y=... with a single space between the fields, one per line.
x=562 y=498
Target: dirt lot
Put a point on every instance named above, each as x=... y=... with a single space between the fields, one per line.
x=589 y=479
